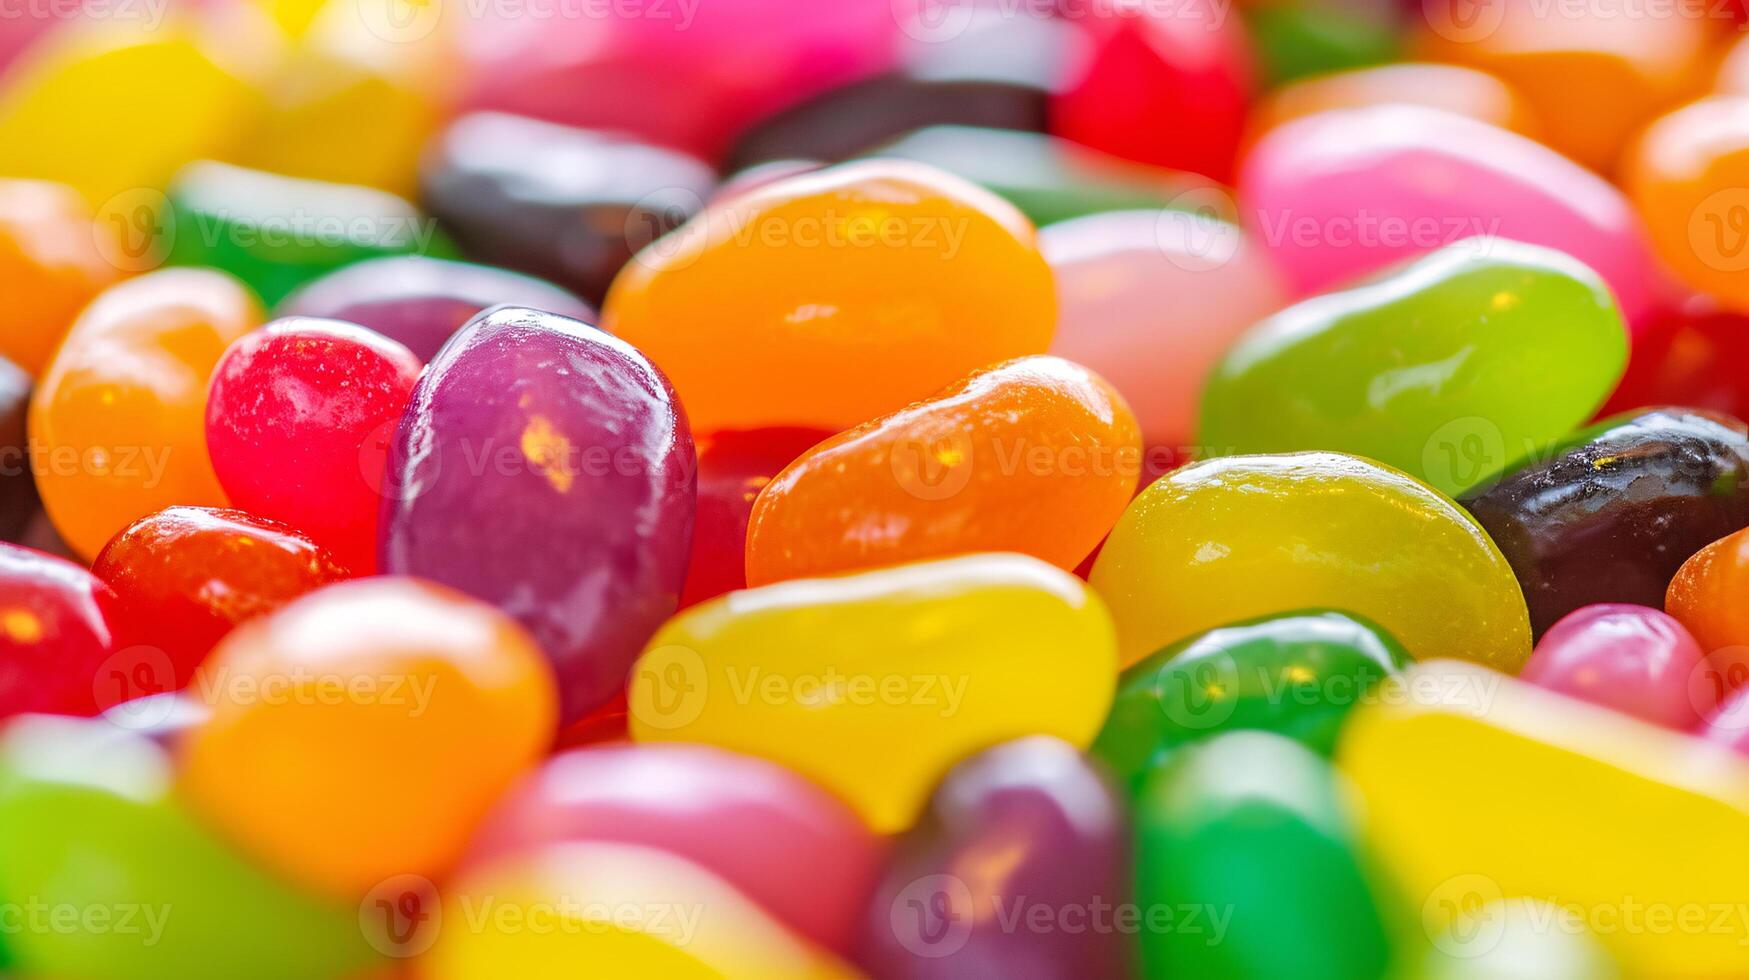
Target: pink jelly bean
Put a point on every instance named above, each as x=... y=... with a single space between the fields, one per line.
x=1636 y=660
x=784 y=842
x=691 y=77
x=1151 y=300
x=1340 y=194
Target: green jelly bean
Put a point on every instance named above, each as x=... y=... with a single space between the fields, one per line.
x=276 y=233
x=1249 y=832
x=1309 y=37
x=1051 y=179
x=1447 y=368
x=111 y=878
x=1295 y=674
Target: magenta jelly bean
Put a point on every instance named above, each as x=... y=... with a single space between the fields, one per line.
x=1340 y=194
x=545 y=466
x=787 y=844
x=1636 y=660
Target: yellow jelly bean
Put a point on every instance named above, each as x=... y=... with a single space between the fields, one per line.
x=118 y=105
x=1246 y=536
x=611 y=910
x=118 y=421
x=874 y=684
x=1480 y=788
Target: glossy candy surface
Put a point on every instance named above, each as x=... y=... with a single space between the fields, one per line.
x=545 y=467
x=1614 y=514
x=1464 y=91
x=421 y=302
x=1062 y=836
x=733 y=467
x=1113 y=271
x=775 y=307
x=1612 y=817
x=569 y=205
x=1251 y=837
x=57 y=633
x=276 y=233
x=826 y=675
x=1341 y=194
x=118 y=420
x=1449 y=368
x=422 y=704
x=1706 y=595
x=786 y=844
x=1688 y=356
x=1687 y=175
x=1229 y=539
x=299 y=419
x=52 y=262
x=1037 y=456
x=1636 y=660
x=1297 y=674
x=151 y=892
x=186 y=576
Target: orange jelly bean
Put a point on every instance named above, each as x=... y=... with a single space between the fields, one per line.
x=827 y=299
x=1464 y=91
x=51 y=265
x=360 y=732
x=1689 y=177
x=1710 y=596
x=1038 y=455
x=118 y=421
x=1593 y=78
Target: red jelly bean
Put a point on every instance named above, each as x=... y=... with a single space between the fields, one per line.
x=732 y=468
x=183 y=577
x=298 y=422
x=55 y=634
x=1692 y=356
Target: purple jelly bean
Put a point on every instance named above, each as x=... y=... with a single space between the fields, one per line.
x=1017 y=870
x=421 y=301
x=545 y=466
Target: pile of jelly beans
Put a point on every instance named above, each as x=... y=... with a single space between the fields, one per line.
x=912 y=489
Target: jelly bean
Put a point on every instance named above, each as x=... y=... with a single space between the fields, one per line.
x=1164 y=87
x=18 y=500
x=1687 y=175
x=1112 y=269
x=775 y=307
x=19 y=33
x=117 y=420
x=56 y=633
x=1344 y=193
x=545 y=467
x=1706 y=596
x=1229 y=539
x=1255 y=830
x=1618 y=509
x=826 y=675
x=1038 y=456
x=1060 y=832
x=1455 y=89
x=1297 y=674
x=186 y=576
x=624 y=910
x=94 y=826
x=1636 y=660
x=276 y=233
x=798 y=852
x=422 y=302
x=570 y=205
x=994 y=69
x=1515 y=939
x=1593 y=80
x=299 y=419
x=113 y=105
x=1051 y=179
x=52 y=262
x=421 y=705
x=732 y=468
x=690 y=77
x=1450 y=368
x=1301 y=38
x=1608 y=816
x=1688 y=356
